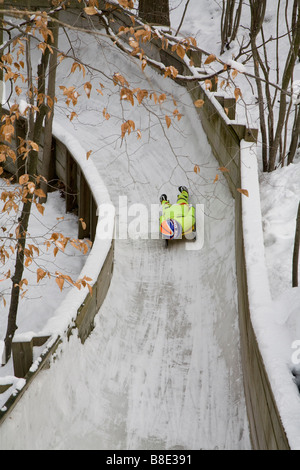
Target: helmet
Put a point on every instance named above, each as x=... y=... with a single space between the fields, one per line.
x=171 y=229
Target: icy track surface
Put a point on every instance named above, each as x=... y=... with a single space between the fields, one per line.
x=161 y=369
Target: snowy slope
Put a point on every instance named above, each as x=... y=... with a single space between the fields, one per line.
x=162 y=367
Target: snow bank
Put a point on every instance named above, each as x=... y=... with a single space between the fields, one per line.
x=273 y=336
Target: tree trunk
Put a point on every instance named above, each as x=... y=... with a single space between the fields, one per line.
x=258 y=9
x=287 y=74
x=296 y=5
x=155 y=12
x=296 y=250
x=229 y=26
x=17 y=278
x=33 y=134
x=295 y=136
x=47 y=170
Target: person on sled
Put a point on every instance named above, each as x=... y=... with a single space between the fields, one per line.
x=177 y=220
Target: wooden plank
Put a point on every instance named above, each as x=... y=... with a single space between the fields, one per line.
x=22 y=352
x=169 y=59
x=195 y=56
x=71 y=184
x=104 y=278
x=94 y=218
x=86 y=313
x=239 y=129
x=4 y=387
x=38 y=341
x=60 y=160
x=229 y=107
x=251 y=135
x=84 y=208
x=85 y=316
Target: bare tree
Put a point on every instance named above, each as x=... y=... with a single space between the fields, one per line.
x=258 y=9
x=272 y=130
x=285 y=83
x=34 y=129
x=230 y=20
x=47 y=152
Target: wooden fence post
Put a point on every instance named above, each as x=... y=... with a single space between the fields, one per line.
x=94 y=218
x=71 y=183
x=84 y=209
x=195 y=57
x=23 y=354
x=22 y=357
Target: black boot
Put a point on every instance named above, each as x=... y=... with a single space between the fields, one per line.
x=183 y=188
